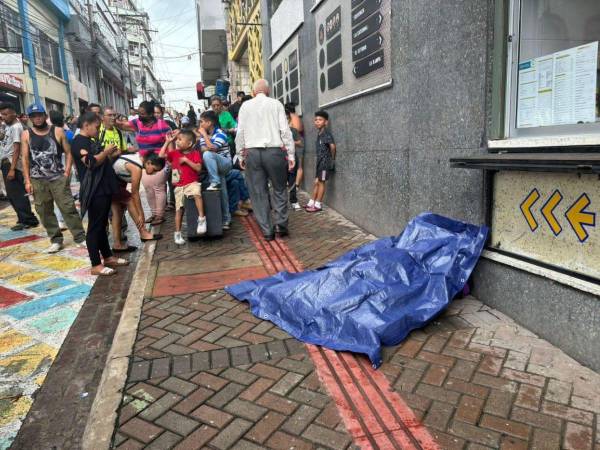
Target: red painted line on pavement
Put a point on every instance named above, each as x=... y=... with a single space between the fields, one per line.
x=8 y=297
x=18 y=241
x=373 y=413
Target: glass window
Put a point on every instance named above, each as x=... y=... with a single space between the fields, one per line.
x=554 y=82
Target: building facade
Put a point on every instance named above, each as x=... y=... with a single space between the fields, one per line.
x=212 y=41
x=36 y=29
x=482 y=110
x=135 y=23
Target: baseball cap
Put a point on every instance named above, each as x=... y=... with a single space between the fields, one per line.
x=35 y=108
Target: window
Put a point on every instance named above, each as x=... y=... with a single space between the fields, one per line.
x=49 y=53
x=553 y=61
x=10 y=30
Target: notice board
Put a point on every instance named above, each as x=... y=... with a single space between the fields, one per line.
x=285 y=74
x=353 y=48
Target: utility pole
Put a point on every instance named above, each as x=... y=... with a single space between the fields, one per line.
x=90 y=10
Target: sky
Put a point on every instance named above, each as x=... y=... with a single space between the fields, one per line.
x=175 y=46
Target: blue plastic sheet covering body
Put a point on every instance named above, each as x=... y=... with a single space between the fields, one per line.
x=373 y=295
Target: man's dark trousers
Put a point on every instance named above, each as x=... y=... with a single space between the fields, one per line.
x=264 y=165
x=15 y=191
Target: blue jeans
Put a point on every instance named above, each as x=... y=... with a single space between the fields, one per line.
x=237 y=189
x=218 y=167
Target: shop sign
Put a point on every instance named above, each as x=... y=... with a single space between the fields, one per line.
x=552 y=218
x=11 y=82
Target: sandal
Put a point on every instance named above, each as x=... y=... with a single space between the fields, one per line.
x=105 y=272
x=149 y=219
x=119 y=262
x=155 y=237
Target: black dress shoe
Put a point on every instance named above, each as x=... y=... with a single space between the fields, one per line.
x=269 y=237
x=281 y=231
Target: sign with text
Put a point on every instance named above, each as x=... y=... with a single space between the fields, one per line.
x=353 y=48
x=285 y=75
x=549 y=217
x=11 y=63
x=11 y=82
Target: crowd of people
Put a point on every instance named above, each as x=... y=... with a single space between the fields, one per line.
x=249 y=152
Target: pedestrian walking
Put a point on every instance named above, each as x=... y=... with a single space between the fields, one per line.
x=265 y=148
x=12 y=170
x=326 y=151
x=48 y=179
x=97 y=189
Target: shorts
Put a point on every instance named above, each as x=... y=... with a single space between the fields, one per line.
x=123 y=196
x=189 y=190
x=323 y=170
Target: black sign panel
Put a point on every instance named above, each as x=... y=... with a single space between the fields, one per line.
x=368 y=65
x=333 y=24
x=334 y=49
x=279 y=72
x=335 y=76
x=355 y=3
x=293 y=79
x=366 y=28
x=366 y=47
x=367 y=8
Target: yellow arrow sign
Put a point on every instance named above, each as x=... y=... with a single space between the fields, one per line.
x=548 y=209
x=526 y=206
x=579 y=218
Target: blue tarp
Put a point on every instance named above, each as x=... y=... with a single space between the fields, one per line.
x=373 y=295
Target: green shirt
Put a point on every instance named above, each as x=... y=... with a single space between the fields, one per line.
x=227 y=122
x=113 y=136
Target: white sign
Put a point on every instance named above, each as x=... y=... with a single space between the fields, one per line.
x=286 y=20
x=11 y=63
x=558 y=89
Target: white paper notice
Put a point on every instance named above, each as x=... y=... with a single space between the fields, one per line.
x=558 y=89
x=526 y=112
x=584 y=90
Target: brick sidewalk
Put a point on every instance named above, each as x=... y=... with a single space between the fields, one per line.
x=205 y=373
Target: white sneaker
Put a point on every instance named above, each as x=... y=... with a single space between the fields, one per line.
x=81 y=245
x=201 y=228
x=54 y=248
x=178 y=238
x=214 y=187
x=296 y=206
x=226 y=225
x=62 y=226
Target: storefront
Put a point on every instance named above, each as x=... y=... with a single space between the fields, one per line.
x=12 y=89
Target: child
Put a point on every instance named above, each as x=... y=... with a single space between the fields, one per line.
x=186 y=165
x=325 y=159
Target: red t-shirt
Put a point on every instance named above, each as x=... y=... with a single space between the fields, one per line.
x=182 y=173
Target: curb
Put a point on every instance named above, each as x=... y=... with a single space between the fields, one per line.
x=103 y=415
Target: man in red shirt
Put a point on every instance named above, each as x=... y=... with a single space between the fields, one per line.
x=186 y=164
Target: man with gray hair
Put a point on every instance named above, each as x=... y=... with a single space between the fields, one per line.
x=265 y=147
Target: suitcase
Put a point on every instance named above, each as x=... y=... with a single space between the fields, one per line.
x=214 y=215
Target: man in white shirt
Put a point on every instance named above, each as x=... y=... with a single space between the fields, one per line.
x=265 y=148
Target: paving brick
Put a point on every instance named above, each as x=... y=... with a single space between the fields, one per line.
x=225 y=395
x=240 y=356
x=436 y=343
x=139 y=371
x=309 y=397
x=529 y=397
x=475 y=434
x=168 y=339
x=490 y=365
x=447 y=442
x=467 y=355
x=294 y=347
x=495 y=352
x=495 y=382
x=254 y=338
x=219 y=358
x=209 y=381
x=283 y=405
x=329 y=417
x=499 y=403
x=246 y=410
x=434 y=358
x=232 y=433
x=230 y=343
x=301 y=367
x=416 y=401
x=511 y=443
x=159 y=407
x=165 y=440
x=409 y=363
x=536 y=419
x=435 y=375
x=276 y=349
x=523 y=377
x=266 y=371
x=177 y=423
x=567 y=413
x=467 y=388
x=178 y=385
x=439 y=415
x=469 y=409
x=200 y=362
x=298 y=422
x=545 y=440
x=289 y=381
x=141 y=430
x=323 y=436
x=258 y=352
x=267 y=426
x=131 y=444
x=256 y=389
x=194 y=400
x=182 y=364
x=463 y=370
x=145 y=392
x=239 y=376
x=408 y=380
x=178 y=328
x=437 y=393
x=246 y=445
x=283 y=441
x=197 y=439
x=505 y=426
x=577 y=437
x=211 y=416
x=558 y=391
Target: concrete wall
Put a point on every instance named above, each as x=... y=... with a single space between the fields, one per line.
x=394 y=145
